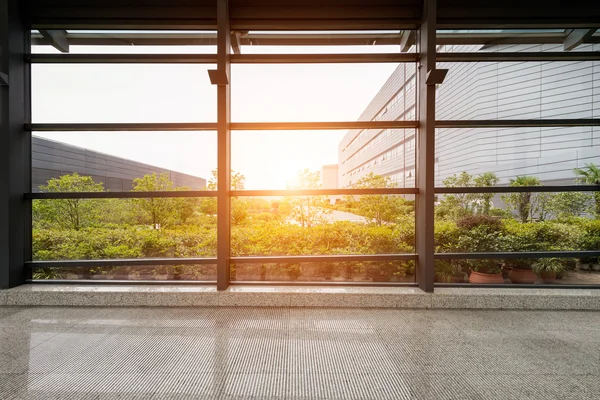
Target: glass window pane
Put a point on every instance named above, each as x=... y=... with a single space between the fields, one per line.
x=318 y=225
x=549 y=154
x=508 y=40
x=119 y=160
x=348 y=271
x=341 y=159
x=519 y=222
x=97 y=93
x=519 y=90
x=319 y=92
x=95 y=229
x=130 y=42
x=199 y=272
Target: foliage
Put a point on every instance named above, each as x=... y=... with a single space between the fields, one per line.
x=458 y=205
x=473 y=221
x=484 y=200
x=590 y=175
x=569 y=204
x=157 y=212
x=522 y=203
x=306 y=211
x=453 y=206
x=552 y=265
x=296 y=227
x=590 y=239
x=68 y=213
x=378 y=209
x=480 y=234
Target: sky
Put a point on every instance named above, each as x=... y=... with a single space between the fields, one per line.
x=105 y=93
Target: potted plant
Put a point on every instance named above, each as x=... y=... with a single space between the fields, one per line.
x=485 y=271
x=521 y=270
x=448 y=272
x=548 y=268
x=481 y=233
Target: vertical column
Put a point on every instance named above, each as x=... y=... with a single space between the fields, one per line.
x=15 y=145
x=223 y=145
x=426 y=149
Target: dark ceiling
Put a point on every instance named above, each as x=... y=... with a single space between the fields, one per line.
x=310 y=14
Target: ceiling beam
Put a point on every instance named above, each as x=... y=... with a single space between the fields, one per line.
x=57 y=38
x=236 y=44
x=577 y=37
x=407 y=40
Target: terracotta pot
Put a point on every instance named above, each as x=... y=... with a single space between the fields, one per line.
x=548 y=277
x=479 y=277
x=584 y=267
x=522 y=276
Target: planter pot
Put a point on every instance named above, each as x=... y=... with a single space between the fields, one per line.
x=479 y=277
x=459 y=278
x=522 y=276
x=595 y=267
x=548 y=277
x=584 y=267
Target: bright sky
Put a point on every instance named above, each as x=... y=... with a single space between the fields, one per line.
x=183 y=93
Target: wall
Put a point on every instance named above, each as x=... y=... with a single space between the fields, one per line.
x=52 y=159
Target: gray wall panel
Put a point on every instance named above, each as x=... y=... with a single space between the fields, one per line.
x=52 y=159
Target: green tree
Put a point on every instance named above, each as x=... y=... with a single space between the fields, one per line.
x=185 y=206
x=454 y=206
x=68 y=213
x=569 y=204
x=306 y=210
x=590 y=175
x=484 y=200
x=158 y=212
x=378 y=209
x=522 y=203
x=239 y=206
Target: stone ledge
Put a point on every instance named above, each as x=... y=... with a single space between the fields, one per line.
x=300 y=296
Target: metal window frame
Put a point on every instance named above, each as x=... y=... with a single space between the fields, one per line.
x=426 y=57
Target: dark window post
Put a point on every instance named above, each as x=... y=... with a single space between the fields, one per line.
x=15 y=146
x=426 y=149
x=223 y=145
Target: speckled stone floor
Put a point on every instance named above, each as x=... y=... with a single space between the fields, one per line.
x=297 y=353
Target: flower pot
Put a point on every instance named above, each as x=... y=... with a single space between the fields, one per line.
x=522 y=276
x=548 y=277
x=479 y=277
x=595 y=267
x=584 y=267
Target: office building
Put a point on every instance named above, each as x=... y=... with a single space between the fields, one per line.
x=545 y=90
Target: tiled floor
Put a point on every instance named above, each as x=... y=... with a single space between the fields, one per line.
x=297 y=353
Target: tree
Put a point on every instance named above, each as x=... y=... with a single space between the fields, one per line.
x=569 y=204
x=68 y=213
x=306 y=210
x=454 y=206
x=378 y=209
x=239 y=206
x=155 y=211
x=590 y=175
x=523 y=203
x=484 y=200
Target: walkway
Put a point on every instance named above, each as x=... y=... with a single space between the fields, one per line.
x=297 y=353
